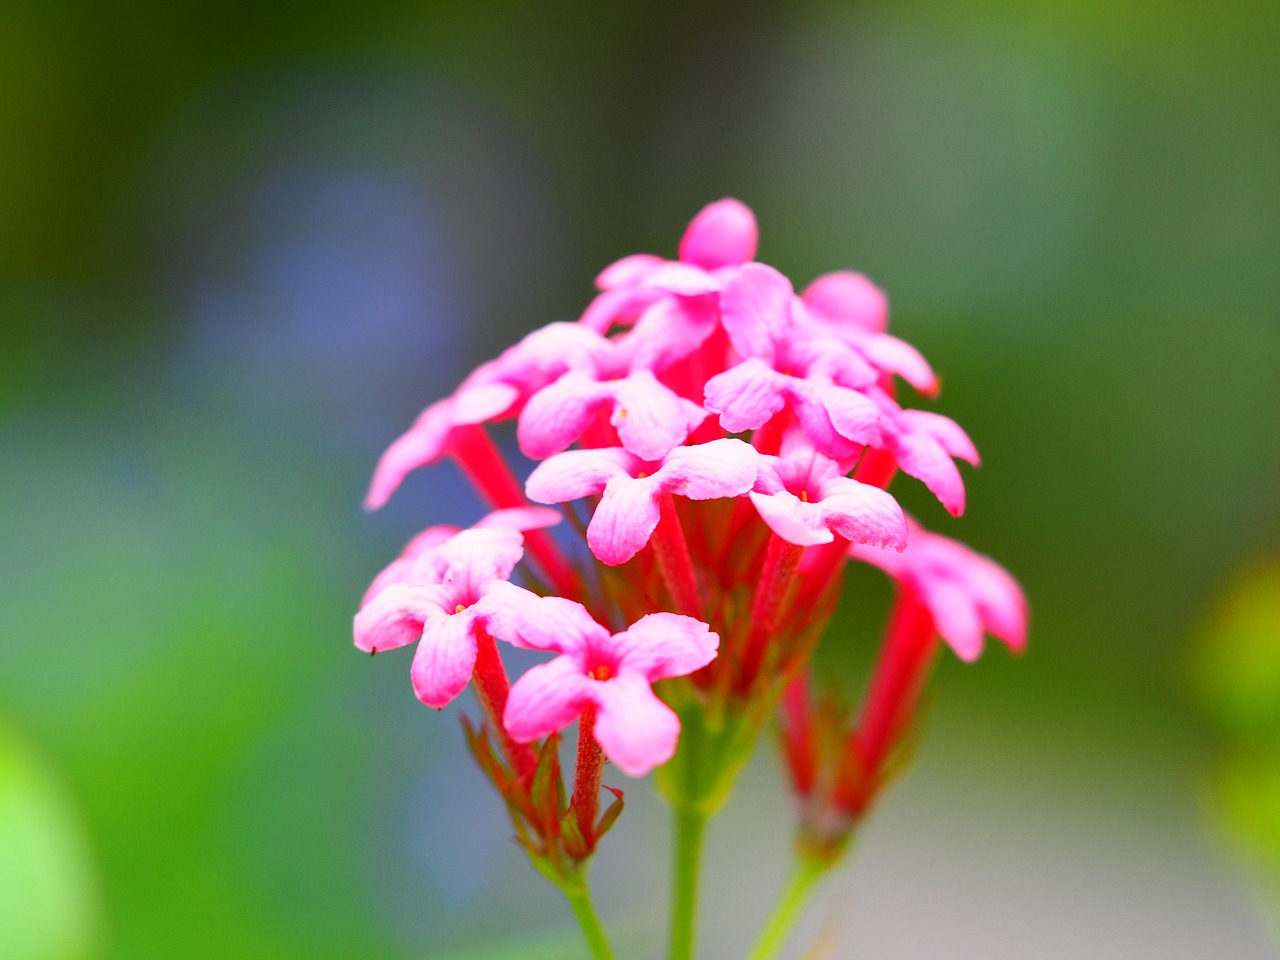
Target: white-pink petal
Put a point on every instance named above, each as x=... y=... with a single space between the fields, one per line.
x=624 y=520
x=663 y=645
x=445 y=658
x=635 y=729
x=547 y=698
x=574 y=474
x=710 y=471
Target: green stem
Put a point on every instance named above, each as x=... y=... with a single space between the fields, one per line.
x=690 y=826
x=805 y=874
x=579 y=898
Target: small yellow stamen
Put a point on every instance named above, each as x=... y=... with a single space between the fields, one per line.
x=599 y=673
x=459 y=608
x=804 y=495
x=622 y=413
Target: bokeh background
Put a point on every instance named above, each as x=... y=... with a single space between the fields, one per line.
x=242 y=244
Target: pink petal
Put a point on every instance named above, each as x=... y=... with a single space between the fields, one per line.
x=578 y=473
x=747 y=395
x=949 y=434
x=518 y=518
x=863 y=514
x=897 y=356
x=628 y=270
x=543 y=623
x=722 y=234
x=636 y=730
x=681 y=279
x=854 y=416
x=558 y=414
x=475 y=558
x=709 y=471
x=446 y=657
x=792 y=519
x=624 y=520
x=755 y=310
x=956 y=617
x=663 y=645
x=923 y=458
x=649 y=417
x=667 y=332
x=545 y=699
x=394 y=617
x=401 y=570
x=618 y=306
x=422 y=444
x=850 y=297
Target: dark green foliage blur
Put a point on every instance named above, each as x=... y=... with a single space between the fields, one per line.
x=241 y=245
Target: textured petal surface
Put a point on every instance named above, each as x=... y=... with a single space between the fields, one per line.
x=545 y=699
x=624 y=520
x=747 y=395
x=649 y=417
x=636 y=730
x=394 y=617
x=578 y=473
x=795 y=521
x=923 y=458
x=558 y=414
x=723 y=234
x=445 y=659
x=863 y=514
x=708 y=471
x=551 y=623
x=664 y=645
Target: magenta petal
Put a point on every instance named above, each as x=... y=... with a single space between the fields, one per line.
x=635 y=729
x=923 y=458
x=624 y=520
x=723 y=234
x=519 y=518
x=545 y=699
x=897 y=356
x=422 y=444
x=792 y=519
x=853 y=415
x=649 y=417
x=540 y=623
x=475 y=558
x=394 y=617
x=446 y=657
x=681 y=279
x=709 y=471
x=558 y=414
x=850 y=297
x=949 y=434
x=956 y=617
x=578 y=473
x=484 y=402
x=864 y=514
x=628 y=270
x=755 y=309
x=747 y=395
x=663 y=645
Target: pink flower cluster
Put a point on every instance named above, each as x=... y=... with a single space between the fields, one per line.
x=726 y=443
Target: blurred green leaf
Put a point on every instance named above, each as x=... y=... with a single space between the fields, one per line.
x=47 y=901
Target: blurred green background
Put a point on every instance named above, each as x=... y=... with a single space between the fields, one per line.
x=242 y=244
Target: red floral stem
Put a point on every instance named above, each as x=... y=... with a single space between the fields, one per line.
x=672 y=553
x=483 y=464
x=777 y=576
x=587 y=775
x=492 y=687
x=797 y=735
x=910 y=645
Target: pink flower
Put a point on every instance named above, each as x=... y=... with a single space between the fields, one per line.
x=923 y=444
x=452 y=589
x=806 y=499
x=965 y=593
x=618 y=375
x=635 y=729
x=720 y=238
x=629 y=509
x=414 y=565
